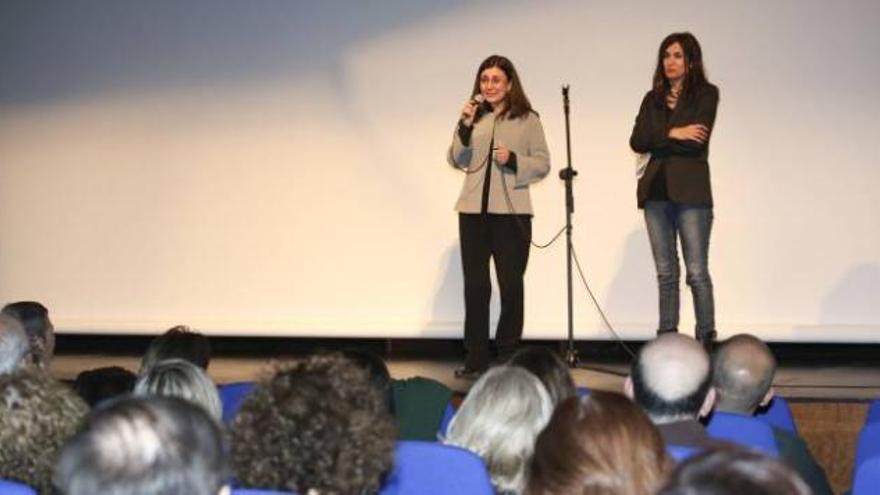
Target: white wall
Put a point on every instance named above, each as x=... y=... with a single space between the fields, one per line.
x=278 y=167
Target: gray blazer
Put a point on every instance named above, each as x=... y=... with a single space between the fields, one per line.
x=523 y=136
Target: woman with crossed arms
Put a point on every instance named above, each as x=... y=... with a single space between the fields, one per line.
x=674 y=125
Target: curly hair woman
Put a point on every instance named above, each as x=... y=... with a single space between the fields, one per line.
x=37 y=415
x=315 y=426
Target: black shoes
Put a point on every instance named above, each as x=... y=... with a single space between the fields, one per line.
x=708 y=341
x=465 y=373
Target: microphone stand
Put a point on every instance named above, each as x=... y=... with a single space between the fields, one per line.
x=567 y=174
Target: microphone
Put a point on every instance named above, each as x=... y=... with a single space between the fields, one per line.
x=483 y=106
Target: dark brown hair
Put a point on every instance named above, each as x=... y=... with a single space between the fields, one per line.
x=599 y=445
x=518 y=104
x=695 y=75
x=180 y=342
x=549 y=368
x=732 y=470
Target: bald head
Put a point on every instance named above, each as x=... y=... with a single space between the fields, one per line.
x=743 y=373
x=671 y=378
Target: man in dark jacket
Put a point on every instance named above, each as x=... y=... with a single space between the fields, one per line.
x=743 y=372
x=671 y=379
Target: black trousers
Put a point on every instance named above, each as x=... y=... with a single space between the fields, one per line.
x=506 y=239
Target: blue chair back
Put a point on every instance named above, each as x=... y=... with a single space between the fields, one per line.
x=448 y=414
x=8 y=487
x=231 y=397
x=867 y=477
x=743 y=430
x=427 y=468
x=868 y=444
x=873 y=412
x=681 y=452
x=778 y=414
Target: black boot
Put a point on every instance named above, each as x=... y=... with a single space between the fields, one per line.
x=465 y=373
x=661 y=331
x=708 y=341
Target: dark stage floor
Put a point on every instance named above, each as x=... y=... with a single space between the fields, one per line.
x=840 y=372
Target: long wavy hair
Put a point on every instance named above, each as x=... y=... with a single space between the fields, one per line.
x=695 y=74
x=518 y=104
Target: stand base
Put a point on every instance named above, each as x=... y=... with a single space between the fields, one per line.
x=571 y=358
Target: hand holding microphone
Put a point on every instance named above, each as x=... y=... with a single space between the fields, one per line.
x=471 y=108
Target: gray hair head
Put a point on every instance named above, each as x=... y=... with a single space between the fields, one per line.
x=671 y=378
x=14 y=344
x=180 y=378
x=145 y=446
x=34 y=318
x=499 y=420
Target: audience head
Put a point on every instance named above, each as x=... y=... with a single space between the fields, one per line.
x=377 y=371
x=743 y=374
x=671 y=379
x=549 y=368
x=14 y=345
x=97 y=385
x=34 y=317
x=734 y=470
x=317 y=424
x=499 y=420
x=178 y=342
x=145 y=446
x=599 y=445
x=37 y=415
x=179 y=378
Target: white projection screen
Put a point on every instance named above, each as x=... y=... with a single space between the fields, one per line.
x=278 y=167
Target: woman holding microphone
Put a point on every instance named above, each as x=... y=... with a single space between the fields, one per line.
x=674 y=125
x=499 y=145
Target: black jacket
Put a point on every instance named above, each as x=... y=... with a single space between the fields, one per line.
x=685 y=162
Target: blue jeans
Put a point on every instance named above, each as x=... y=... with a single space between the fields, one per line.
x=667 y=221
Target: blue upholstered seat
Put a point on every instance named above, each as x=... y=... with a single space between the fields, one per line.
x=231 y=397
x=448 y=414
x=743 y=430
x=868 y=444
x=427 y=468
x=681 y=452
x=778 y=414
x=873 y=412
x=8 y=487
x=866 y=480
